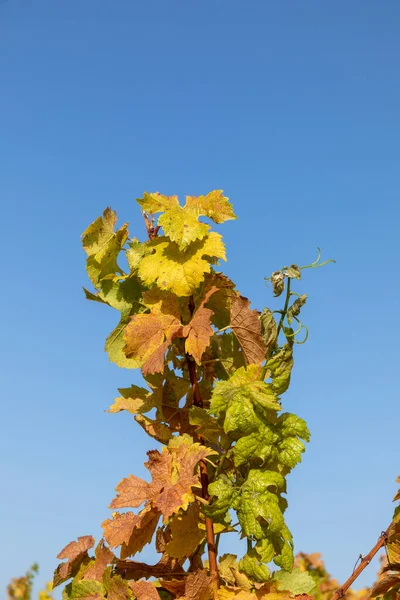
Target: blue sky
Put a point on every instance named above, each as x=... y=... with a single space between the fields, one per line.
x=293 y=109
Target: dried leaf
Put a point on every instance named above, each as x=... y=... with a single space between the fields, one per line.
x=144 y=590
x=296 y=307
x=269 y=328
x=132 y=531
x=199 y=331
x=75 y=553
x=246 y=325
x=293 y=272
x=173 y=477
x=278 y=283
x=104 y=557
x=198 y=586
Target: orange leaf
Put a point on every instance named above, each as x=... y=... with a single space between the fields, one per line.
x=198 y=586
x=75 y=553
x=122 y=527
x=148 y=336
x=246 y=325
x=104 y=557
x=144 y=590
x=199 y=330
x=173 y=477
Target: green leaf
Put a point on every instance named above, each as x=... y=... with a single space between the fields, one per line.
x=261 y=444
x=223 y=497
x=292 y=426
x=268 y=328
x=296 y=581
x=290 y=451
x=85 y=589
x=115 y=345
x=265 y=550
x=285 y=559
x=182 y=226
x=239 y=396
x=208 y=426
x=251 y=566
x=257 y=507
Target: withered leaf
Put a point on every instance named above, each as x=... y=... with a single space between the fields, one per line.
x=269 y=328
x=160 y=432
x=131 y=569
x=130 y=531
x=76 y=554
x=278 y=283
x=198 y=586
x=199 y=331
x=144 y=590
x=118 y=589
x=104 y=557
x=246 y=325
x=173 y=477
x=293 y=272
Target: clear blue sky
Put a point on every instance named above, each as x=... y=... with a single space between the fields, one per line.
x=293 y=109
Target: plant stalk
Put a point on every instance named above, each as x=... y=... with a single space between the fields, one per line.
x=364 y=563
x=210 y=536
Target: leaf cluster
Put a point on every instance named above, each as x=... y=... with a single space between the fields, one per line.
x=214 y=371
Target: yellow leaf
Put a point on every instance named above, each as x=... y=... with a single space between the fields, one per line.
x=155 y=202
x=179 y=271
x=186 y=535
x=214 y=205
x=182 y=226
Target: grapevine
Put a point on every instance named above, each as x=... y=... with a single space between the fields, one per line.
x=214 y=371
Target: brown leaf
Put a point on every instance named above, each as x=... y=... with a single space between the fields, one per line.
x=173 y=477
x=199 y=331
x=147 y=338
x=246 y=325
x=104 y=557
x=144 y=590
x=159 y=431
x=384 y=584
x=176 y=586
x=75 y=553
x=134 y=531
x=198 y=586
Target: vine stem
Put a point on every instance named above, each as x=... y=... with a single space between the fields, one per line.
x=364 y=563
x=210 y=536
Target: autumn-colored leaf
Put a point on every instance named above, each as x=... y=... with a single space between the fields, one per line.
x=167 y=565
x=173 y=477
x=75 y=553
x=199 y=331
x=198 y=586
x=104 y=557
x=182 y=226
x=246 y=325
x=131 y=531
x=159 y=431
x=155 y=202
x=185 y=532
x=118 y=589
x=144 y=590
x=148 y=336
x=133 y=399
x=180 y=271
x=214 y=205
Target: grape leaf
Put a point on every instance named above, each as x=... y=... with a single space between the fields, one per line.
x=296 y=307
x=85 y=590
x=134 y=400
x=182 y=226
x=269 y=328
x=104 y=557
x=177 y=270
x=224 y=496
x=214 y=205
x=296 y=581
x=246 y=325
x=131 y=531
x=185 y=532
x=280 y=366
x=155 y=202
x=144 y=590
x=172 y=478
x=159 y=431
x=251 y=566
x=199 y=331
x=198 y=586
x=293 y=272
x=102 y=245
x=207 y=426
x=76 y=554
x=238 y=396
x=118 y=589
x=278 y=283
x=147 y=338
x=136 y=251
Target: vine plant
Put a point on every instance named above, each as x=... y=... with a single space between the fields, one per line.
x=215 y=372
